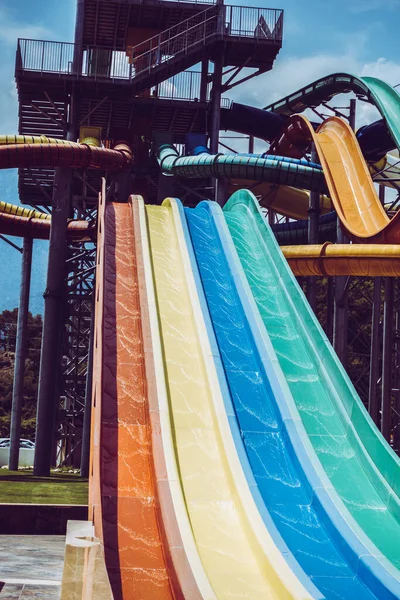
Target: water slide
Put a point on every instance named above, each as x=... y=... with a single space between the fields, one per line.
x=362 y=468
x=350 y=184
x=158 y=398
x=284 y=475
x=382 y=95
x=186 y=505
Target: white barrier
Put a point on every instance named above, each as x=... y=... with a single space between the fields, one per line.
x=26 y=456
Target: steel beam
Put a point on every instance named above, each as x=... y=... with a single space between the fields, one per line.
x=20 y=354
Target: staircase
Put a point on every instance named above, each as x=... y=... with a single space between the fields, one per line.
x=175 y=49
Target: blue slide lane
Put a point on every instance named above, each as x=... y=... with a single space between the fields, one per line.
x=288 y=491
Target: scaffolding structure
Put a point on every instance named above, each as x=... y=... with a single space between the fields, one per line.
x=137 y=70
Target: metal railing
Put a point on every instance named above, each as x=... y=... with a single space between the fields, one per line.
x=108 y=63
x=176 y=40
x=184 y=86
x=259 y=23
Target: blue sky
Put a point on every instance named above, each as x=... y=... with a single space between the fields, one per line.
x=320 y=37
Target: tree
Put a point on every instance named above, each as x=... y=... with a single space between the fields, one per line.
x=8 y=330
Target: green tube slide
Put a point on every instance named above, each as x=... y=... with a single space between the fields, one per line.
x=235 y=166
x=361 y=466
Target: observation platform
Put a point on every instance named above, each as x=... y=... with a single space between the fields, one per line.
x=135 y=71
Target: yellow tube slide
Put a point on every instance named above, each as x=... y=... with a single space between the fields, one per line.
x=236 y=551
x=28 y=139
x=20 y=211
x=363 y=260
x=283 y=199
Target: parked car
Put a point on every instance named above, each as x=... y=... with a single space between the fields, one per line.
x=5 y=443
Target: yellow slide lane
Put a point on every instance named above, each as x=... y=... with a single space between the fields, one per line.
x=229 y=548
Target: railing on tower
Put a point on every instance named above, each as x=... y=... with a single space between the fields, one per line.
x=108 y=63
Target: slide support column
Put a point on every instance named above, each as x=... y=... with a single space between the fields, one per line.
x=313 y=221
x=50 y=360
x=20 y=354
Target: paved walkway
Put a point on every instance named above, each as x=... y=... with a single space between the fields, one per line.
x=31 y=566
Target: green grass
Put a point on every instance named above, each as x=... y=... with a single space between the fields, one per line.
x=60 y=488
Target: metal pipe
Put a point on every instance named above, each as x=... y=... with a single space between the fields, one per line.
x=85 y=450
x=50 y=361
x=387 y=359
x=20 y=353
x=373 y=405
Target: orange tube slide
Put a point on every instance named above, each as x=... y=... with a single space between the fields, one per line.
x=363 y=260
x=349 y=181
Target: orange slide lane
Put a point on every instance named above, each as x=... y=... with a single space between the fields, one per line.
x=349 y=181
x=123 y=499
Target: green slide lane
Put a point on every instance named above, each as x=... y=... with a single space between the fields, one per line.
x=362 y=468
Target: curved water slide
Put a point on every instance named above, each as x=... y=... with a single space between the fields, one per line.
x=377 y=92
x=289 y=485
x=350 y=184
x=361 y=466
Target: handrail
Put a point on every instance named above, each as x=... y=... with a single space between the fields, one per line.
x=176 y=40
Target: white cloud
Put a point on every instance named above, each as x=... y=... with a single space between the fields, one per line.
x=361 y=6
x=11 y=30
x=292 y=73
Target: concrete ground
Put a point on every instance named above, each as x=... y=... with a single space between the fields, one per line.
x=31 y=566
